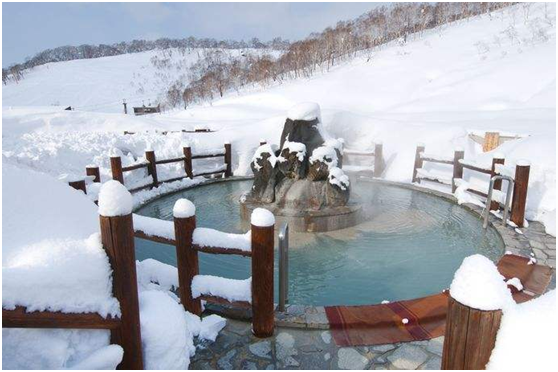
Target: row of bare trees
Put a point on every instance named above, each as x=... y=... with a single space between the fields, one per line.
x=15 y=72
x=217 y=72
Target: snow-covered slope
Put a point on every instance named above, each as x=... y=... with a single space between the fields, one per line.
x=100 y=84
x=492 y=72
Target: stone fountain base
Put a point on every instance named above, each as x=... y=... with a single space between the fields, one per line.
x=334 y=218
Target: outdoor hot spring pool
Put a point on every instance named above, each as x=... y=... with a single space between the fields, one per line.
x=410 y=245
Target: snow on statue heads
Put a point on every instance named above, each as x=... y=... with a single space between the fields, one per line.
x=115 y=200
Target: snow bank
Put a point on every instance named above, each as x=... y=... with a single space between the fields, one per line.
x=115 y=200
x=523 y=335
x=151 y=271
x=478 y=284
x=211 y=326
x=206 y=237
x=229 y=289
x=262 y=218
x=304 y=111
x=166 y=340
x=183 y=208
x=103 y=359
x=338 y=178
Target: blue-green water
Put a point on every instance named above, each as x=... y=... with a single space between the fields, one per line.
x=410 y=245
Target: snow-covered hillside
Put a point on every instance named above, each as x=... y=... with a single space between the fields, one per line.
x=101 y=84
x=492 y=72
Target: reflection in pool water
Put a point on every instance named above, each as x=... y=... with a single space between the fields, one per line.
x=409 y=246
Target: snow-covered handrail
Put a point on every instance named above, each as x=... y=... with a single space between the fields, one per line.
x=214 y=241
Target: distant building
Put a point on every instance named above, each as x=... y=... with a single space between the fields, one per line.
x=144 y=110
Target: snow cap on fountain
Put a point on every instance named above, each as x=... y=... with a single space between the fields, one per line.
x=305 y=111
x=183 y=208
x=115 y=200
x=262 y=218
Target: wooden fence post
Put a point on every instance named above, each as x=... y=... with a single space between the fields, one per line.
x=116 y=169
x=263 y=239
x=93 y=171
x=378 y=159
x=228 y=159
x=458 y=154
x=78 y=185
x=418 y=161
x=152 y=167
x=263 y=142
x=520 y=186
x=470 y=336
x=184 y=213
x=491 y=141
x=188 y=161
x=117 y=236
x=496 y=159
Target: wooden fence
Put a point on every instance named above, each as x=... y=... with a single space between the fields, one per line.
x=261 y=254
x=117 y=236
x=376 y=157
x=151 y=166
x=521 y=179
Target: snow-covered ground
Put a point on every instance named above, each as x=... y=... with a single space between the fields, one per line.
x=101 y=84
x=489 y=73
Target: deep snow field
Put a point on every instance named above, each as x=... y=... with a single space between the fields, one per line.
x=490 y=73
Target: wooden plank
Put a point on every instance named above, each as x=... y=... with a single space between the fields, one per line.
x=173 y=179
x=491 y=141
x=167 y=161
x=440 y=161
x=134 y=167
x=158 y=239
x=418 y=162
x=519 y=200
x=116 y=169
x=20 y=318
x=476 y=169
x=152 y=166
x=458 y=155
x=221 y=301
x=139 y=188
x=208 y=156
x=208 y=173
x=93 y=171
x=220 y=250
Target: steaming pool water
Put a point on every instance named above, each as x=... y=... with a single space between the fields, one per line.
x=410 y=245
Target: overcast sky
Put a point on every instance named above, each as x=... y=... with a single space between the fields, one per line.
x=28 y=28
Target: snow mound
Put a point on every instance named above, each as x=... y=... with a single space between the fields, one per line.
x=206 y=237
x=478 y=284
x=338 y=178
x=523 y=333
x=166 y=340
x=183 y=208
x=115 y=200
x=326 y=154
x=305 y=111
x=262 y=218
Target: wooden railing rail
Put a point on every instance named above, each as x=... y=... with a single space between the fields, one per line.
x=21 y=318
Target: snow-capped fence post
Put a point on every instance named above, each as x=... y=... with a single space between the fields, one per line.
x=117 y=236
x=78 y=185
x=152 y=166
x=496 y=159
x=93 y=171
x=458 y=154
x=228 y=159
x=478 y=293
x=184 y=213
x=378 y=159
x=187 y=151
x=263 y=238
x=263 y=142
x=418 y=161
x=116 y=169
x=519 y=200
